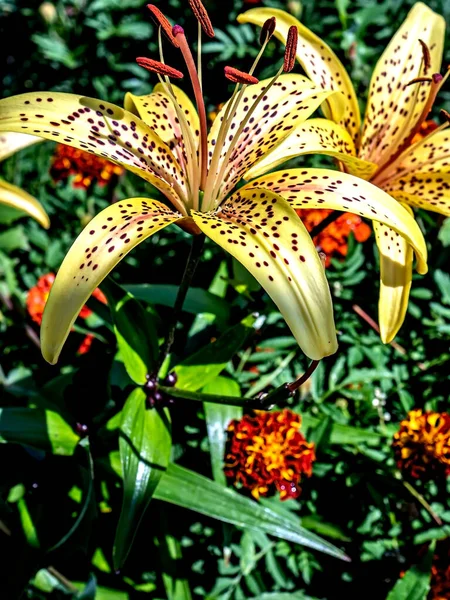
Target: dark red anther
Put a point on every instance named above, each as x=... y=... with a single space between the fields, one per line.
x=426 y=56
x=158 y=67
x=437 y=78
x=237 y=76
x=202 y=17
x=163 y=22
x=291 y=49
x=267 y=30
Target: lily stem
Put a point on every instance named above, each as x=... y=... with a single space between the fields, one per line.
x=324 y=224
x=192 y=261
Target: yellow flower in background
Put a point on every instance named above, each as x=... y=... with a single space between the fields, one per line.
x=164 y=139
x=385 y=149
x=422 y=444
x=11 y=195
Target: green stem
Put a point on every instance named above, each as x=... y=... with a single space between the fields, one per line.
x=324 y=224
x=192 y=261
x=422 y=501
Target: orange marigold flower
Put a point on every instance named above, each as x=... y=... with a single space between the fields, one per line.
x=422 y=444
x=267 y=452
x=37 y=298
x=86 y=167
x=86 y=344
x=440 y=572
x=333 y=240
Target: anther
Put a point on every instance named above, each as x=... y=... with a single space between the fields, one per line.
x=426 y=56
x=291 y=49
x=237 y=76
x=267 y=30
x=163 y=22
x=158 y=67
x=202 y=17
x=437 y=78
x=446 y=115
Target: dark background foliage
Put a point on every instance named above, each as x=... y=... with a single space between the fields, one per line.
x=355 y=498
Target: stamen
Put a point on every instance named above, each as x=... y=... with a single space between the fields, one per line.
x=291 y=49
x=178 y=32
x=202 y=17
x=162 y=21
x=158 y=67
x=446 y=115
x=267 y=30
x=437 y=78
x=237 y=76
x=419 y=80
x=426 y=56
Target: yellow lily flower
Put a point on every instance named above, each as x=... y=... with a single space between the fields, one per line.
x=162 y=138
x=385 y=150
x=11 y=195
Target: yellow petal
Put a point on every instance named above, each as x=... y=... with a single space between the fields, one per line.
x=393 y=109
x=429 y=155
x=290 y=101
x=98 y=127
x=320 y=63
x=396 y=257
x=11 y=195
x=430 y=191
x=99 y=247
x=315 y=136
x=263 y=232
x=11 y=142
x=324 y=188
x=158 y=112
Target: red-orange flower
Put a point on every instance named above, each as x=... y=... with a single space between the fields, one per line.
x=86 y=344
x=37 y=297
x=266 y=452
x=440 y=572
x=422 y=444
x=333 y=240
x=86 y=167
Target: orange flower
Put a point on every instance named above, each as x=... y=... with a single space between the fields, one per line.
x=440 y=572
x=86 y=344
x=267 y=452
x=333 y=239
x=37 y=297
x=422 y=444
x=86 y=167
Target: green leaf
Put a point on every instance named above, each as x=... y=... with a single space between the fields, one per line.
x=14 y=239
x=190 y=490
x=135 y=332
x=444 y=233
x=42 y=429
x=145 y=443
x=415 y=585
x=197 y=300
x=202 y=367
x=218 y=417
x=344 y=434
x=28 y=526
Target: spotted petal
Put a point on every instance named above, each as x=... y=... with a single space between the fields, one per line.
x=396 y=257
x=393 y=109
x=264 y=233
x=97 y=127
x=323 y=188
x=11 y=195
x=290 y=101
x=315 y=136
x=320 y=63
x=430 y=191
x=158 y=111
x=11 y=142
x=97 y=250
